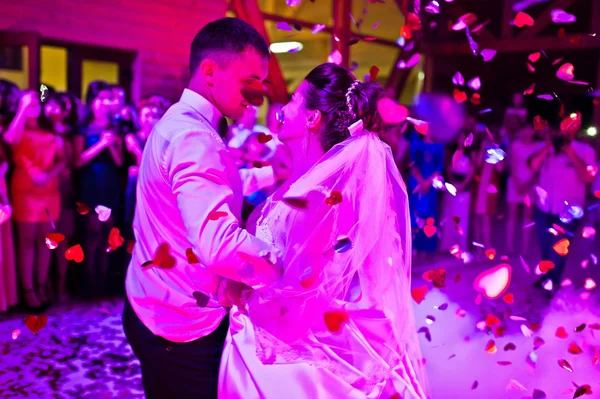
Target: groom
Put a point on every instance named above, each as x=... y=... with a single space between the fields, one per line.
x=189 y=199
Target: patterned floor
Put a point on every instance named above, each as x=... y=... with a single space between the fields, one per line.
x=80 y=353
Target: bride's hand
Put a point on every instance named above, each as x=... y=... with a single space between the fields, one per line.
x=232 y=293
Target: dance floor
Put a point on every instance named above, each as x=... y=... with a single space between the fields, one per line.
x=537 y=347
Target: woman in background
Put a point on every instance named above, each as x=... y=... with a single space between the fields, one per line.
x=426 y=163
x=61 y=110
x=135 y=142
x=99 y=156
x=39 y=158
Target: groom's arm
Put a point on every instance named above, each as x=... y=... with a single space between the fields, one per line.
x=196 y=171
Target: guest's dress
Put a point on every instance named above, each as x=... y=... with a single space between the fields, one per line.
x=429 y=159
x=8 y=272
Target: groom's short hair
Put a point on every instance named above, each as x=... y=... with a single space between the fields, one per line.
x=224 y=38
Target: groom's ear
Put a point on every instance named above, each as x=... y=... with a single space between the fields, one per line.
x=313 y=119
x=207 y=68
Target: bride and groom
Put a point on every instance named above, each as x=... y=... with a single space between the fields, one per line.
x=317 y=285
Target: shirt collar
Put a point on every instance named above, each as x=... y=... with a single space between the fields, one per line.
x=203 y=106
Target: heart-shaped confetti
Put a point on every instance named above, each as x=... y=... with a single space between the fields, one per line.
x=391 y=112
x=464 y=21
x=565 y=365
x=284 y=26
x=566 y=72
x=545 y=266
x=537 y=343
x=422 y=127
x=494 y=282
x=562 y=247
x=308 y=278
x=537 y=394
x=201 y=298
x=334 y=198
x=75 y=253
x=458 y=79
x=373 y=73
x=589 y=284
x=561 y=332
x=191 y=256
x=475 y=83
x=264 y=138
x=504 y=363
x=475 y=99
x=443 y=306
x=488 y=54
x=474 y=385
x=36 y=323
x=53 y=239
x=580 y=327
x=130 y=246
x=216 y=215
x=115 y=240
x=529 y=90
x=335 y=319
x=162 y=258
x=574 y=349
x=534 y=57
x=522 y=19
x=490 y=253
x=418 y=294
x=299 y=203
x=510 y=347
x=335 y=57
x=429 y=231
x=436 y=276
x=509 y=298
x=103 y=213
x=559 y=16
x=82 y=208
x=318 y=28
x=491 y=347
x=588 y=232
x=459 y=96
x=412 y=61
x=582 y=390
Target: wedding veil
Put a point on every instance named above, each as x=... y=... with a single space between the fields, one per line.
x=344 y=303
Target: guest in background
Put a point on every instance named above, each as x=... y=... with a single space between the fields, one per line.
x=9 y=103
x=456 y=209
x=8 y=272
x=39 y=158
x=244 y=127
x=519 y=196
x=61 y=110
x=485 y=200
x=563 y=180
x=135 y=142
x=426 y=163
x=99 y=155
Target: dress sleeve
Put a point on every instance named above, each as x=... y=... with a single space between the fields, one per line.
x=197 y=173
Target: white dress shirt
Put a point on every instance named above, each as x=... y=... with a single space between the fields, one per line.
x=559 y=182
x=186 y=174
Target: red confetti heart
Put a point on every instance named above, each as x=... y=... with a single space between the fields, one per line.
x=373 y=73
x=55 y=237
x=562 y=247
x=418 y=294
x=566 y=72
x=492 y=320
x=522 y=19
x=36 y=323
x=574 y=349
x=334 y=199
x=490 y=253
x=191 y=256
x=537 y=343
x=335 y=319
x=308 y=278
x=510 y=347
x=546 y=265
x=162 y=258
x=475 y=385
x=580 y=327
x=459 y=96
x=561 y=333
x=436 y=276
x=534 y=57
x=422 y=127
x=504 y=363
x=491 y=347
x=509 y=298
x=264 y=138
x=429 y=231
x=82 y=208
x=115 y=240
x=75 y=253
x=475 y=99
x=565 y=365
x=216 y=215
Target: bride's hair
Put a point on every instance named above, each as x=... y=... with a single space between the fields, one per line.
x=326 y=92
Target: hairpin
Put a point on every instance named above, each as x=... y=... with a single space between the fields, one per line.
x=348 y=93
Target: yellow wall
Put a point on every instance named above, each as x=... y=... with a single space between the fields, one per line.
x=98 y=70
x=20 y=78
x=53 y=67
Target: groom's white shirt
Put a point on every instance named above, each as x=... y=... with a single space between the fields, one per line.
x=186 y=175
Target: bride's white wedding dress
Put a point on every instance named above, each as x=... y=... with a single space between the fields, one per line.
x=339 y=324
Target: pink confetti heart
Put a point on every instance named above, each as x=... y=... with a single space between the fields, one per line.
x=103 y=213
x=492 y=283
x=318 y=28
x=562 y=17
x=475 y=83
x=534 y=57
x=391 y=112
x=412 y=61
x=458 y=79
x=284 y=26
x=547 y=97
x=588 y=232
x=589 y=284
x=335 y=57
x=566 y=72
x=488 y=54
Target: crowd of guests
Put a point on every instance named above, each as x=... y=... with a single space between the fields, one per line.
x=546 y=186
x=64 y=164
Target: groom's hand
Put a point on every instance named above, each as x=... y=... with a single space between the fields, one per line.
x=231 y=292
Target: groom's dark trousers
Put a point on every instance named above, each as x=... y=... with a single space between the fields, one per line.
x=172 y=370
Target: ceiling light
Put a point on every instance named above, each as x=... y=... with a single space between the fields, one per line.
x=286 y=47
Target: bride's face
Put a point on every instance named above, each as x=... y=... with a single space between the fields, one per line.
x=295 y=117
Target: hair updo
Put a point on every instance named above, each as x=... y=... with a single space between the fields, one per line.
x=326 y=92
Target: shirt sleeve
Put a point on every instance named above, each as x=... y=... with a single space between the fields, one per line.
x=255 y=179
x=196 y=169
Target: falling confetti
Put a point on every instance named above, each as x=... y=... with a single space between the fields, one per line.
x=15 y=334
x=163 y=258
x=418 y=294
x=589 y=284
x=494 y=155
x=216 y=215
x=522 y=19
x=534 y=57
x=36 y=323
x=574 y=349
x=201 y=298
x=53 y=239
x=412 y=61
x=559 y=16
x=561 y=332
x=426 y=332
x=318 y=28
x=491 y=347
x=335 y=57
x=335 y=319
x=43 y=93
x=103 y=213
x=562 y=247
x=475 y=385
x=494 y=282
x=488 y=54
x=334 y=199
x=115 y=240
x=191 y=256
x=458 y=79
x=565 y=365
x=472 y=43
x=475 y=83
x=75 y=253
x=566 y=72
x=459 y=96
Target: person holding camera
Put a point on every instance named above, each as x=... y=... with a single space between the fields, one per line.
x=563 y=179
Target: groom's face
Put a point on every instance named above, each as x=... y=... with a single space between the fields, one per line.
x=234 y=79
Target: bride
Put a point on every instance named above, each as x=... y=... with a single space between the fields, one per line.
x=339 y=324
